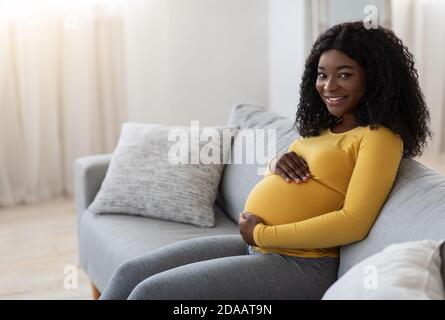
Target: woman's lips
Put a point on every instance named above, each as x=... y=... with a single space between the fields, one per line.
x=335 y=101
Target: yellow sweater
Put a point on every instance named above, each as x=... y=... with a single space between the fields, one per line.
x=352 y=174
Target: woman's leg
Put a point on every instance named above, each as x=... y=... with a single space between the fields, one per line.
x=251 y=277
x=132 y=272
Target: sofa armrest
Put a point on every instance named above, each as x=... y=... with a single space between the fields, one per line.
x=89 y=173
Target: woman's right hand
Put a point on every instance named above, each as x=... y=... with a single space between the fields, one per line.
x=290 y=167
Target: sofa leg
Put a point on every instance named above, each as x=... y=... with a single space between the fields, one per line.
x=95 y=291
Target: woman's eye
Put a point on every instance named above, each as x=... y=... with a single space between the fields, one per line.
x=344 y=75
x=321 y=76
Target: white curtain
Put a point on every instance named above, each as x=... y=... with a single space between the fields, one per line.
x=421 y=26
x=322 y=14
x=71 y=71
x=61 y=91
x=316 y=21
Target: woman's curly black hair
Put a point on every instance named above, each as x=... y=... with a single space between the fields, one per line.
x=392 y=97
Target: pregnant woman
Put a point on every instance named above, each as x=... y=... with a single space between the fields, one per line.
x=361 y=110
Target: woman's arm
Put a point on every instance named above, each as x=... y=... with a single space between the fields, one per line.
x=378 y=159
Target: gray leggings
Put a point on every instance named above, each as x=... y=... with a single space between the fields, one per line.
x=220 y=267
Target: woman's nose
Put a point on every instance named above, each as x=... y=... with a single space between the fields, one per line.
x=331 y=84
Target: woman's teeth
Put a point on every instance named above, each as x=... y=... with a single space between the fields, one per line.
x=333 y=99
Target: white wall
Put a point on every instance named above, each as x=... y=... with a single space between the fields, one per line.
x=194 y=59
x=286 y=54
x=350 y=10
x=289 y=28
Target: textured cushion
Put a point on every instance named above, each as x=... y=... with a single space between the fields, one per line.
x=167 y=177
x=407 y=271
x=106 y=241
x=239 y=179
x=414 y=210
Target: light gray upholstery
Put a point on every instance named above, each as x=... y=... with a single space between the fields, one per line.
x=239 y=179
x=106 y=241
x=89 y=173
x=414 y=210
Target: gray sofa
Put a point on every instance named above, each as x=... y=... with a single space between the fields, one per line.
x=414 y=210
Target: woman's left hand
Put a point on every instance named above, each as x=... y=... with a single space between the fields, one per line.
x=247 y=222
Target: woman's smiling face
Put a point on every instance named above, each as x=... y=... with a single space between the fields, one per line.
x=340 y=82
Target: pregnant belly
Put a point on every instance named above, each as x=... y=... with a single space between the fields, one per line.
x=279 y=202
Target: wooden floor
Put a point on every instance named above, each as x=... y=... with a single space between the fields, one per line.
x=38 y=241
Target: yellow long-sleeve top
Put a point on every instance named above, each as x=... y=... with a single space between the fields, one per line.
x=352 y=174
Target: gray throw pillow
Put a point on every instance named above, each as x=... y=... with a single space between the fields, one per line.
x=169 y=173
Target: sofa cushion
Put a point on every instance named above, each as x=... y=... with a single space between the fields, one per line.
x=239 y=179
x=402 y=271
x=414 y=210
x=158 y=172
x=106 y=241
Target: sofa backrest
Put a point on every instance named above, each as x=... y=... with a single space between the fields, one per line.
x=414 y=210
x=238 y=179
